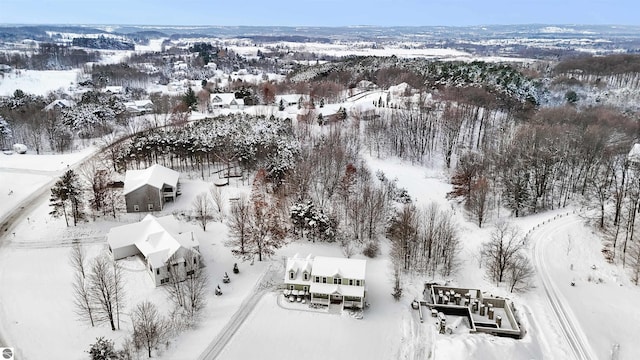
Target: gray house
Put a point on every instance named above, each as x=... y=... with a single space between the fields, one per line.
x=149 y=189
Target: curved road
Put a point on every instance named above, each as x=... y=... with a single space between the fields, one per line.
x=569 y=325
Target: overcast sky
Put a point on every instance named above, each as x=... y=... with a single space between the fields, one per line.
x=320 y=12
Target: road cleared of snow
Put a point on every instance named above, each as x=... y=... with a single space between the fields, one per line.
x=569 y=325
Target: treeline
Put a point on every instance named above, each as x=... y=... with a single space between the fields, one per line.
x=212 y=145
x=102 y=42
x=600 y=65
x=49 y=56
x=426 y=74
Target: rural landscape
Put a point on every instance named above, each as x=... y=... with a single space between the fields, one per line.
x=363 y=192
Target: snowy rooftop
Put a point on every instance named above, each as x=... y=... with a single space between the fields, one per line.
x=299 y=266
x=345 y=268
x=156 y=176
x=224 y=98
x=634 y=154
x=61 y=104
x=156 y=238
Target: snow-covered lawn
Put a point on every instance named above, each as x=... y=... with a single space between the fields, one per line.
x=23 y=174
x=37 y=82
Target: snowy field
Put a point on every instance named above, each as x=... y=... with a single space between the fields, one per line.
x=37 y=82
x=23 y=174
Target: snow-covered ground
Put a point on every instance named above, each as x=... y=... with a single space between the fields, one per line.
x=37 y=82
x=23 y=174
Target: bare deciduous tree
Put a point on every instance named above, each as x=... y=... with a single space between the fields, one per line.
x=102 y=290
x=203 y=209
x=218 y=200
x=150 y=328
x=239 y=227
x=520 y=273
x=81 y=299
x=502 y=250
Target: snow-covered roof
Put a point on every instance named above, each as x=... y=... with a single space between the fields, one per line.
x=224 y=98
x=634 y=154
x=156 y=176
x=339 y=267
x=114 y=89
x=60 y=103
x=299 y=266
x=139 y=105
x=156 y=238
x=289 y=98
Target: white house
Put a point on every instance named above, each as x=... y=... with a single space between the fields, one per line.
x=298 y=273
x=226 y=101
x=113 y=90
x=158 y=240
x=60 y=104
x=328 y=280
x=149 y=189
x=139 y=106
x=291 y=99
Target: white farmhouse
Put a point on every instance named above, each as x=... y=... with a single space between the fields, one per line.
x=226 y=101
x=328 y=280
x=158 y=240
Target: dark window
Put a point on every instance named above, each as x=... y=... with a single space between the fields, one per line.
x=157 y=271
x=324 y=280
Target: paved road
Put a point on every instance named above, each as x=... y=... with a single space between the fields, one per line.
x=266 y=283
x=569 y=325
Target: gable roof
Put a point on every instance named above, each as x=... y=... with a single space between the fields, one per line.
x=634 y=154
x=299 y=266
x=289 y=98
x=223 y=98
x=339 y=267
x=155 y=175
x=156 y=238
x=61 y=103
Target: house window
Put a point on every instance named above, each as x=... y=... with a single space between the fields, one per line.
x=185 y=264
x=324 y=280
x=158 y=271
x=136 y=208
x=195 y=260
x=305 y=288
x=337 y=281
x=164 y=281
x=190 y=272
x=357 y=282
x=351 y=282
x=290 y=287
x=317 y=279
x=306 y=276
x=150 y=207
x=291 y=275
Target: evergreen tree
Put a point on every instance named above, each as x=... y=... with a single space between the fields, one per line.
x=281 y=105
x=322 y=102
x=66 y=198
x=103 y=349
x=190 y=100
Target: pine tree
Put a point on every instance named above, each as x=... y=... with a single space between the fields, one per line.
x=190 y=99
x=281 y=105
x=66 y=198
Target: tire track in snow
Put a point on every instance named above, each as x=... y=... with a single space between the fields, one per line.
x=264 y=284
x=569 y=325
